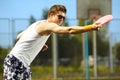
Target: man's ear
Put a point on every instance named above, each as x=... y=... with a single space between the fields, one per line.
x=51 y=14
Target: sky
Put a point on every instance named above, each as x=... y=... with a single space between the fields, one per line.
x=25 y=8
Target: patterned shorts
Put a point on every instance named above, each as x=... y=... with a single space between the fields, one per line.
x=15 y=70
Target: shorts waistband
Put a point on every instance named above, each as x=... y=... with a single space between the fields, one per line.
x=13 y=57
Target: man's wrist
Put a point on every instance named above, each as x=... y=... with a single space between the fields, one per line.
x=95 y=28
x=90 y=28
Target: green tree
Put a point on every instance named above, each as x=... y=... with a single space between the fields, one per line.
x=45 y=13
x=3 y=53
x=117 y=50
x=70 y=47
x=32 y=19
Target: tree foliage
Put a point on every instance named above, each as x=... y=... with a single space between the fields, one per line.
x=116 y=50
x=3 y=53
x=32 y=19
x=45 y=13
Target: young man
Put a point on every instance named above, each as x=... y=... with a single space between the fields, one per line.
x=32 y=41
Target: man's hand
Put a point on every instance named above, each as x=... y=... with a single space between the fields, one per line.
x=96 y=26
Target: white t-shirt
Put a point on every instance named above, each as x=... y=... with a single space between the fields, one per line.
x=29 y=45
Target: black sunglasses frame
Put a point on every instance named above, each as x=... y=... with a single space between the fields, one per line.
x=61 y=17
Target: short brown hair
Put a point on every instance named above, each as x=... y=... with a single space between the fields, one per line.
x=56 y=8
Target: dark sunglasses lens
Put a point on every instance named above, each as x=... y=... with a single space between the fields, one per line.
x=60 y=17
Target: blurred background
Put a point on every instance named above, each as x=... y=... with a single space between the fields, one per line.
x=87 y=56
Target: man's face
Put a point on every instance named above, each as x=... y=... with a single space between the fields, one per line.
x=58 y=18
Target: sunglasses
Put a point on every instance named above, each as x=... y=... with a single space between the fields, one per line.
x=61 y=17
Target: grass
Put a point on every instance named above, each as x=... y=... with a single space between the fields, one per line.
x=72 y=73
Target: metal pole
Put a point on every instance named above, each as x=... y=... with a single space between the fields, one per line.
x=87 y=56
x=10 y=41
x=111 y=55
x=83 y=47
x=95 y=53
x=86 y=53
x=55 y=56
x=12 y=30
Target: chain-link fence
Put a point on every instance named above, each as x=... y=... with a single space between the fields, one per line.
x=11 y=27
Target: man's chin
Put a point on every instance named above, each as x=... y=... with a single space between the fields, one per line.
x=59 y=24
